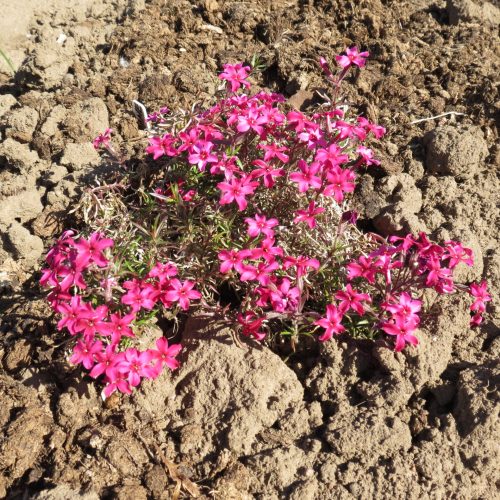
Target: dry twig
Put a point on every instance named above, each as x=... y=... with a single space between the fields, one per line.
x=454 y=113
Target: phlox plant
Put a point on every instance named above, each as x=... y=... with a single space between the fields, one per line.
x=244 y=215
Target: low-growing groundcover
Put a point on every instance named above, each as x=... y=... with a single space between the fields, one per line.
x=243 y=216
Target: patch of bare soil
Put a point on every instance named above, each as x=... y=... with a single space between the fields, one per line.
x=354 y=421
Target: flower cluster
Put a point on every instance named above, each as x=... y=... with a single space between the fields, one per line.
x=253 y=204
x=100 y=310
x=395 y=271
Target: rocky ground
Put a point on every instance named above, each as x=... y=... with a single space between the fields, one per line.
x=354 y=421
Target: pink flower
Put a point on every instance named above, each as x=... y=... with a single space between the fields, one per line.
x=236 y=75
x=139 y=296
x=332 y=156
x=285 y=297
x=480 y=293
x=159 y=146
x=402 y=329
x=251 y=325
x=326 y=68
x=353 y=56
x=118 y=327
x=72 y=276
x=366 y=155
x=260 y=225
x=296 y=118
x=189 y=139
x=407 y=307
x=136 y=365
x=236 y=190
x=306 y=178
x=102 y=140
x=261 y=273
x=377 y=130
x=251 y=120
x=331 y=322
x=84 y=352
x=232 y=259
x=91 y=321
x=116 y=380
x=339 y=182
x=350 y=299
x=364 y=267
x=91 y=251
x=308 y=216
x=163 y=271
x=457 y=253
x=302 y=264
x=183 y=293
x=71 y=313
x=201 y=155
x=166 y=354
x=476 y=320
x=274 y=151
x=267 y=172
x=266 y=250
x=105 y=362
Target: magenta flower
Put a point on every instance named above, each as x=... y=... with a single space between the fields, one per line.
x=201 y=155
x=285 y=297
x=260 y=225
x=312 y=135
x=457 y=253
x=72 y=276
x=350 y=299
x=407 y=307
x=166 y=354
x=236 y=190
x=163 y=272
x=366 y=155
x=189 y=139
x=307 y=177
x=116 y=380
x=118 y=327
x=182 y=292
x=236 y=75
x=139 y=296
x=105 y=362
x=352 y=56
x=297 y=120
x=261 y=273
x=251 y=325
x=91 y=321
x=274 y=151
x=266 y=250
x=302 y=264
x=232 y=259
x=480 y=293
x=339 y=182
x=331 y=322
x=84 y=352
x=71 y=313
x=332 y=156
x=251 y=120
x=267 y=172
x=402 y=329
x=136 y=365
x=102 y=140
x=326 y=68
x=308 y=216
x=159 y=146
x=377 y=130
x=364 y=267
x=91 y=251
